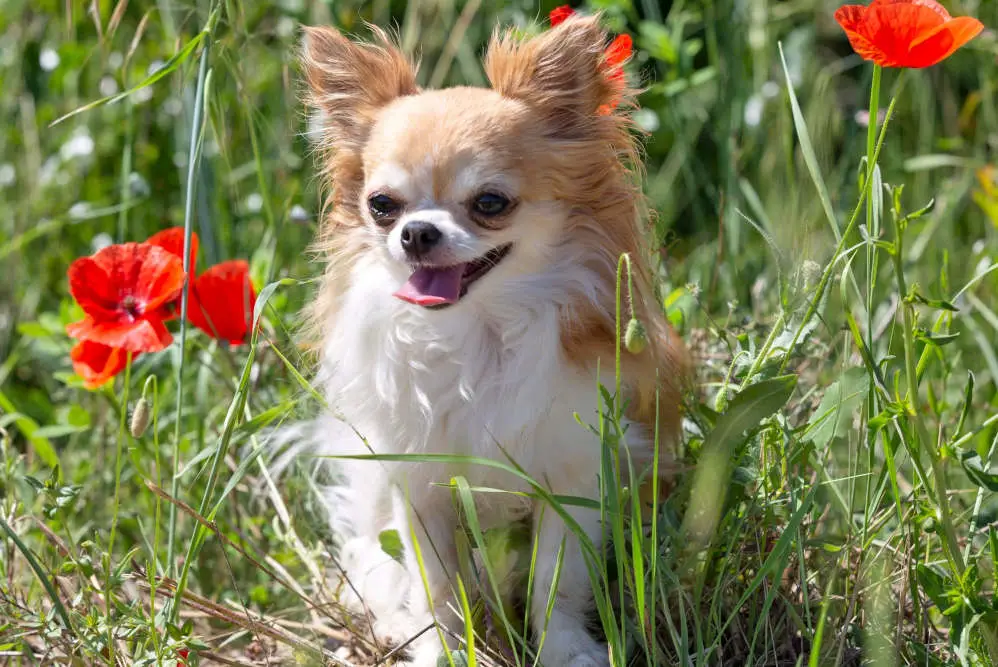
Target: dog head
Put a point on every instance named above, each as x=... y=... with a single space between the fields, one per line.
x=490 y=200
x=464 y=190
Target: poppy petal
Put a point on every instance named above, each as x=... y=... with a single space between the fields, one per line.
x=159 y=279
x=90 y=286
x=139 y=277
x=222 y=301
x=940 y=44
x=930 y=4
x=619 y=51
x=172 y=240
x=852 y=18
x=560 y=14
x=905 y=33
x=97 y=363
x=145 y=335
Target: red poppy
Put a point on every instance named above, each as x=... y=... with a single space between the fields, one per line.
x=97 y=363
x=123 y=289
x=559 y=14
x=617 y=53
x=172 y=240
x=615 y=56
x=222 y=301
x=905 y=33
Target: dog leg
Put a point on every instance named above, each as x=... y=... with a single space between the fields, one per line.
x=376 y=582
x=433 y=520
x=566 y=642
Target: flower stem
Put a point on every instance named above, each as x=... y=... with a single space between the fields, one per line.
x=873 y=226
x=872 y=219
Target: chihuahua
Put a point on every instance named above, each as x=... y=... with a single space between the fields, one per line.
x=472 y=238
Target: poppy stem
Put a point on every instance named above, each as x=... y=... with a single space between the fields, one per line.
x=871 y=126
x=872 y=216
x=873 y=213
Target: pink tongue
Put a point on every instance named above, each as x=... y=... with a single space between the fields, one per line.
x=433 y=286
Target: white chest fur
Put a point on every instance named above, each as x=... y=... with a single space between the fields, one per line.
x=485 y=378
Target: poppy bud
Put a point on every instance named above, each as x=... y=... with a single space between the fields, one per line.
x=140 y=418
x=635 y=338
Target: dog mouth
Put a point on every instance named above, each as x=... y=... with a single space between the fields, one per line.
x=440 y=286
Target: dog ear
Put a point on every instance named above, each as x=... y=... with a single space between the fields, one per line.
x=348 y=82
x=561 y=72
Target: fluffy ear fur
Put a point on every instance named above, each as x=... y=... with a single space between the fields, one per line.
x=559 y=73
x=349 y=81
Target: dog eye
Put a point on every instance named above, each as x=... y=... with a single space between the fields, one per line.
x=490 y=204
x=382 y=206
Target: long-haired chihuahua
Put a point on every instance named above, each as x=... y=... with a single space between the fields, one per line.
x=472 y=239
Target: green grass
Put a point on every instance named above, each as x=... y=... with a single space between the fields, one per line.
x=833 y=502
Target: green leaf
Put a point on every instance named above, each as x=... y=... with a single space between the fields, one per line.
x=33 y=330
x=980 y=474
x=833 y=418
x=657 y=41
x=935 y=339
x=47 y=583
x=968 y=397
x=807 y=150
x=170 y=65
x=933 y=584
x=30 y=429
x=753 y=404
x=938 y=304
x=776 y=561
x=391 y=544
x=58 y=431
x=745 y=411
x=76 y=416
x=460 y=658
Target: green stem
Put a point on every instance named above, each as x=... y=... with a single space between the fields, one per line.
x=763 y=352
x=967 y=437
x=853 y=220
x=197 y=125
x=872 y=224
x=921 y=431
x=152 y=569
x=122 y=434
x=126 y=172
x=872 y=219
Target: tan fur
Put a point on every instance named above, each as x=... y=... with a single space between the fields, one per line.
x=348 y=84
x=546 y=92
x=593 y=157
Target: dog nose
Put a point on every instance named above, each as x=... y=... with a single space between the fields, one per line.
x=418 y=238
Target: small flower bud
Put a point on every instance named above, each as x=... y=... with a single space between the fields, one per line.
x=140 y=418
x=635 y=338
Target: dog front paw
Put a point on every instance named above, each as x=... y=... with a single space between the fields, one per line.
x=375 y=581
x=394 y=629
x=573 y=648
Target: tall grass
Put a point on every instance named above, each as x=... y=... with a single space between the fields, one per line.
x=833 y=501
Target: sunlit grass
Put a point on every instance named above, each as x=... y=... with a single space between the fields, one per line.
x=833 y=421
